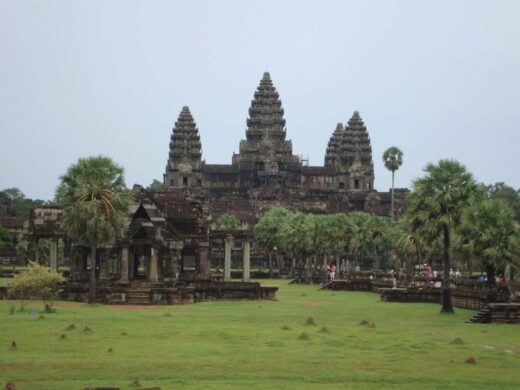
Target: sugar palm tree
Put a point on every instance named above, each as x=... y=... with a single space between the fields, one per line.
x=489 y=232
x=435 y=208
x=393 y=159
x=95 y=202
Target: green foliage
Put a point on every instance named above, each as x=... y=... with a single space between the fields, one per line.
x=506 y=194
x=227 y=222
x=438 y=199
x=5 y=237
x=95 y=202
x=94 y=199
x=267 y=230
x=155 y=186
x=489 y=232
x=393 y=158
x=19 y=205
x=435 y=208
x=300 y=235
x=37 y=282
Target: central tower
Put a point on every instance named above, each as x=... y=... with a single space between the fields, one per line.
x=265 y=157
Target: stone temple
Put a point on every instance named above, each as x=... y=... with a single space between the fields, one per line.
x=168 y=252
x=265 y=172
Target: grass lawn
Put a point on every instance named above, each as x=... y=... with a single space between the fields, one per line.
x=255 y=345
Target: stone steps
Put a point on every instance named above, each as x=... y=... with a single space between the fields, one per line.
x=139 y=293
x=482 y=317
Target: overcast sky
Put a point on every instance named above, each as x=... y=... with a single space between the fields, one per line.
x=438 y=79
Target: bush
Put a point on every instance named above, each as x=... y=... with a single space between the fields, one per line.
x=37 y=282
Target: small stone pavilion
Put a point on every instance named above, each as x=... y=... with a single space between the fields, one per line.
x=162 y=256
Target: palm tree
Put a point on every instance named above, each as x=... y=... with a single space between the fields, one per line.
x=435 y=208
x=489 y=232
x=95 y=202
x=393 y=159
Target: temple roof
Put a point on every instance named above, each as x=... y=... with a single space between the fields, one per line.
x=335 y=144
x=220 y=168
x=266 y=113
x=356 y=141
x=185 y=140
x=355 y=123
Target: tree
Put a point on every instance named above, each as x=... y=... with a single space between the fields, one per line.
x=489 y=232
x=393 y=159
x=227 y=222
x=267 y=231
x=95 y=203
x=19 y=205
x=36 y=282
x=435 y=208
x=5 y=237
x=506 y=194
x=155 y=186
x=296 y=237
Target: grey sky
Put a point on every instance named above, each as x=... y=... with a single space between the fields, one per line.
x=436 y=78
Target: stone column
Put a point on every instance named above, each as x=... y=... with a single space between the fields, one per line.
x=124 y=264
x=204 y=262
x=54 y=254
x=103 y=264
x=246 y=261
x=227 y=258
x=154 y=261
x=176 y=263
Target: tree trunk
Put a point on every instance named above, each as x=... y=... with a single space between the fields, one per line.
x=271 y=273
x=92 y=284
x=392 y=216
x=447 y=306
x=490 y=272
x=507 y=275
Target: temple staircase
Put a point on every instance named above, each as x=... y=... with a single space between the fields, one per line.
x=139 y=293
x=482 y=317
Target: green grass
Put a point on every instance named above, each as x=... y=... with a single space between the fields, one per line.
x=256 y=345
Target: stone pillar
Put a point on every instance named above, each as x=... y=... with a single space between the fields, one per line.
x=227 y=258
x=154 y=262
x=54 y=255
x=176 y=263
x=246 y=261
x=103 y=264
x=124 y=264
x=204 y=262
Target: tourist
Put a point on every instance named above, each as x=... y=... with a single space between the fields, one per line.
x=333 y=272
x=458 y=274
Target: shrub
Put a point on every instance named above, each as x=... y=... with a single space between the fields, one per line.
x=37 y=282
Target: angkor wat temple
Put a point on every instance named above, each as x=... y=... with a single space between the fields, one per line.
x=168 y=252
x=265 y=172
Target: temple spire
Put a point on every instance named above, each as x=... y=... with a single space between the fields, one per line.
x=266 y=119
x=334 y=146
x=356 y=142
x=185 y=140
x=355 y=123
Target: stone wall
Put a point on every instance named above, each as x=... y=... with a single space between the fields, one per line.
x=171 y=293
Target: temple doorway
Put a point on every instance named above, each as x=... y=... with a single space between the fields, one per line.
x=188 y=260
x=140 y=266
